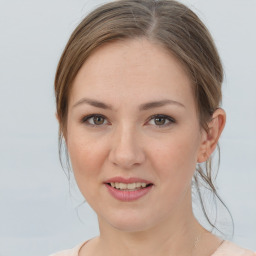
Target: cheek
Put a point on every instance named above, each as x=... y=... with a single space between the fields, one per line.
x=87 y=156
x=176 y=157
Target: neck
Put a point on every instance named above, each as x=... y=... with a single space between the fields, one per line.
x=176 y=235
x=154 y=242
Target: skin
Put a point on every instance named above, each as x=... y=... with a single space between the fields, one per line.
x=129 y=142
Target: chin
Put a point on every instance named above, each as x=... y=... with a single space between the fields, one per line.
x=130 y=227
x=131 y=223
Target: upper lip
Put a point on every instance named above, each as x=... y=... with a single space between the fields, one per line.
x=127 y=180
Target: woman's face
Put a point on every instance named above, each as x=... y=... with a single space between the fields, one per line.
x=132 y=119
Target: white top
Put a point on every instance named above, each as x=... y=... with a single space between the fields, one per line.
x=227 y=248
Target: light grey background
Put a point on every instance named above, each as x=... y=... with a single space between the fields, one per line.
x=38 y=213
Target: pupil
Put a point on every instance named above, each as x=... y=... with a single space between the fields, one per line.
x=159 y=121
x=98 y=120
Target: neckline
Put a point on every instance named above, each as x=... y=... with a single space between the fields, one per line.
x=78 y=249
x=219 y=247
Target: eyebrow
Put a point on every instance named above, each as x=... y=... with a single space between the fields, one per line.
x=94 y=103
x=161 y=103
x=143 y=107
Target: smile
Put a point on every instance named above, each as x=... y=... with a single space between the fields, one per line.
x=129 y=189
x=129 y=186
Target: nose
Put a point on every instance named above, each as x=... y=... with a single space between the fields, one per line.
x=126 y=149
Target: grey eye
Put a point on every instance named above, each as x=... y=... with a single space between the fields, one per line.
x=94 y=120
x=160 y=120
x=98 y=120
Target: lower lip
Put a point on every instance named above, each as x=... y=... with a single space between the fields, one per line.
x=124 y=195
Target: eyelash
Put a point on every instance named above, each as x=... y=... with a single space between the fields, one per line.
x=167 y=118
x=86 y=118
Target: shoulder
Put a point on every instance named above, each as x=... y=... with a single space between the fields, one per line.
x=70 y=252
x=228 y=248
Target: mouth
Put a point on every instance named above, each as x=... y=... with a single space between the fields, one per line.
x=129 y=186
x=130 y=189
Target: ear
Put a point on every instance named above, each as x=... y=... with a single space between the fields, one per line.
x=210 y=138
x=60 y=129
x=57 y=117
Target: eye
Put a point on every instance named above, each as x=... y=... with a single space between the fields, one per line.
x=161 y=120
x=94 y=120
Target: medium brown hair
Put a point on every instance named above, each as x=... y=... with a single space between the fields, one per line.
x=166 y=22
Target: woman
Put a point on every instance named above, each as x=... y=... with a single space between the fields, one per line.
x=138 y=92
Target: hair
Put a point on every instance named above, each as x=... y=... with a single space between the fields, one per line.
x=164 y=22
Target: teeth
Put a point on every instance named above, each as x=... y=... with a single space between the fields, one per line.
x=141 y=184
x=129 y=186
x=121 y=185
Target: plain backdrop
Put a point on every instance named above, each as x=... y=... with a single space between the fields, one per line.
x=39 y=210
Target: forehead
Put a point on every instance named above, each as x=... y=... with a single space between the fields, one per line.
x=132 y=69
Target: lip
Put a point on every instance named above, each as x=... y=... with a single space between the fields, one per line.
x=126 y=195
x=127 y=180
